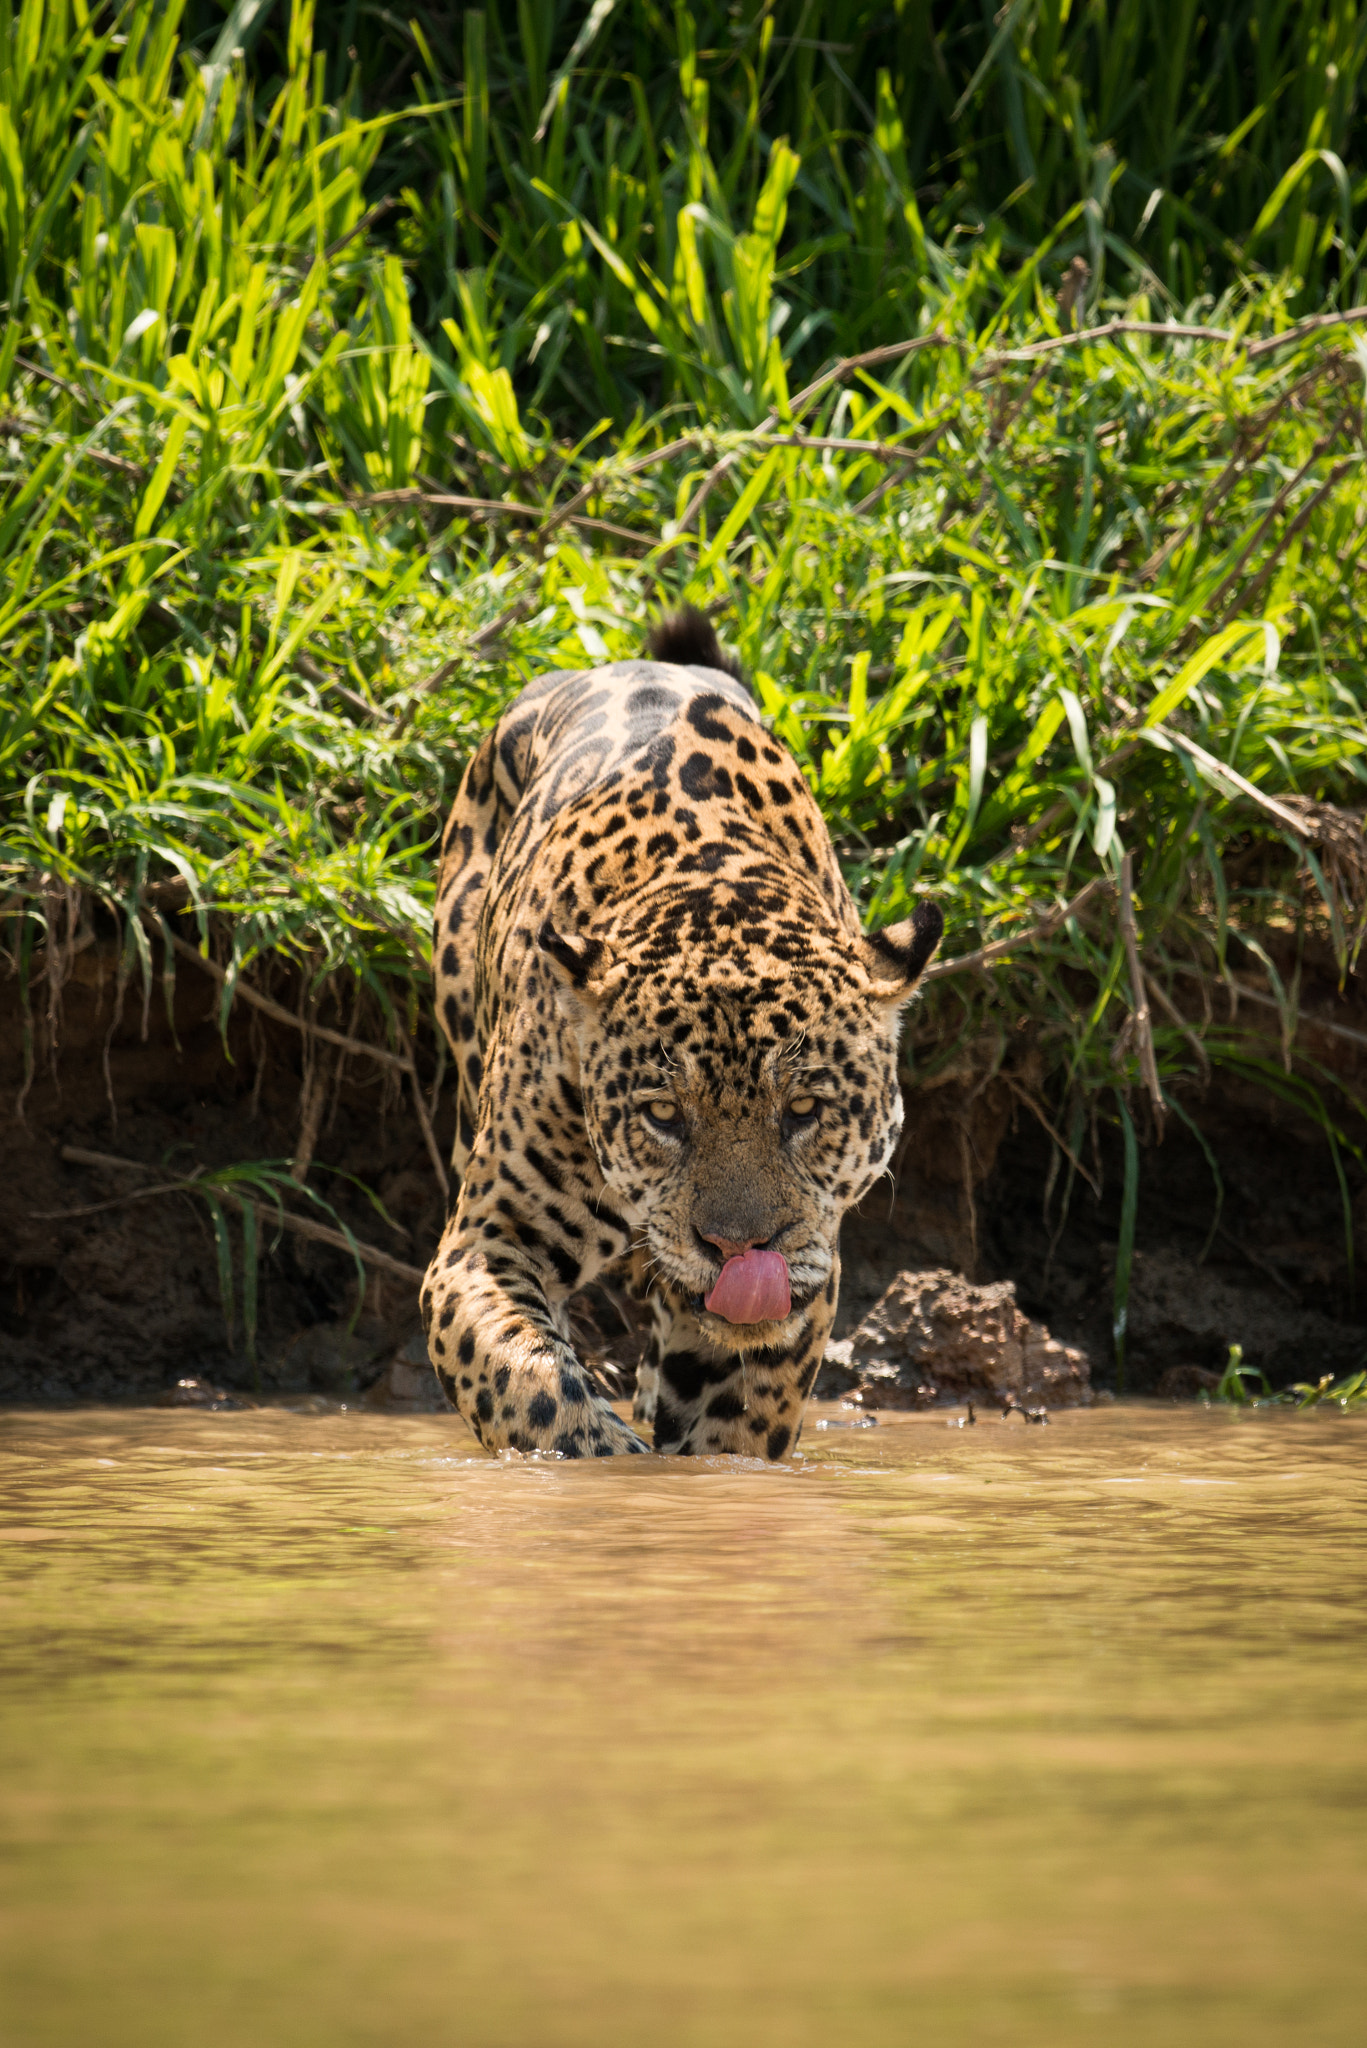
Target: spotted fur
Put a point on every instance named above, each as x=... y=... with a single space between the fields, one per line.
x=640 y=916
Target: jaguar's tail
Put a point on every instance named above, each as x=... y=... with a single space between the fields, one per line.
x=688 y=636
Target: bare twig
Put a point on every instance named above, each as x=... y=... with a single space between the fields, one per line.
x=614 y=532
x=270 y=1008
x=1166 y=1004
x=886 y=451
x=1008 y=413
x=429 y=1138
x=301 y=1226
x=1314 y=325
x=1024 y=1095
x=1143 y=1023
x=168 y=1187
x=849 y=366
x=36 y=430
x=1304 y=1018
x=51 y=377
x=1264 y=526
x=478 y=642
x=317 y=1074
x=1261 y=1265
x=841 y=444
x=496 y=508
x=1170 y=330
x=310 y=671
x=1041 y=929
x=1253 y=588
x=496 y=627
x=607 y=473
x=367 y=220
x=1288 y=820
x=696 y=503
x=773 y=432
x=1058 y=811
x=483 y=508
x=1262 y=427
x=911 y=457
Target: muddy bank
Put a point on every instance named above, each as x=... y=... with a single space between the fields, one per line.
x=1241 y=1233
x=110 y=1292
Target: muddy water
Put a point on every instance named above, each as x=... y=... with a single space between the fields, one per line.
x=333 y=1731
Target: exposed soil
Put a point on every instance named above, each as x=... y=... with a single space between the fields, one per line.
x=1278 y=1272
x=119 y=1303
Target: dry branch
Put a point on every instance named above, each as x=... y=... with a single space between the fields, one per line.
x=1264 y=527
x=1041 y=929
x=317 y=1075
x=771 y=431
x=495 y=508
x=1058 y=811
x=50 y=377
x=840 y=444
x=696 y=503
x=367 y=220
x=301 y=1226
x=1175 y=1017
x=910 y=457
x=1314 y=325
x=310 y=671
x=1172 y=330
x=608 y=474
x=482 y=508
x=428 y=1135
x=1036 y=1110
x=36 y=430
x=1244 y=993
x=270 y=1008
x=1253 y=588
x=849 y=366
x=1288 y=820
x=1260 y=429
x=1143 y=1023
x=478 y=642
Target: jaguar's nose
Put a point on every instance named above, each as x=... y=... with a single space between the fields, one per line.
x=732 y=1247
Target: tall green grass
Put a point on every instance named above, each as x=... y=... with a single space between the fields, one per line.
x=295 y=495
x=596 y=166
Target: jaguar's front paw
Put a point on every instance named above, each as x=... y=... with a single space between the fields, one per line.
x=597 y=1433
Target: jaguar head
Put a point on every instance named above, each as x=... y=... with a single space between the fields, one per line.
x=740 y=1096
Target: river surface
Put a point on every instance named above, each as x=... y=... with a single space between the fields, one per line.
x=332 y=1730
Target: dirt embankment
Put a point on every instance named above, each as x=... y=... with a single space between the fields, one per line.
x=110 y=1292
x=1243 y=1234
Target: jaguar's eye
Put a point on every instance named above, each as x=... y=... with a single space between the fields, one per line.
x=663 y=1113
x=803 y=1107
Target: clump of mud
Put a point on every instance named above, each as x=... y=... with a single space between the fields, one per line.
x=935 y=1338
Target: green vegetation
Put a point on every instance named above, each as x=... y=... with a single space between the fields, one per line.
x=341 y=396
x=1244 y=1386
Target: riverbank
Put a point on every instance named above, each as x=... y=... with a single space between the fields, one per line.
x=118 y=1226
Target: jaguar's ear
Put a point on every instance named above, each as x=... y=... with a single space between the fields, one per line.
x=896 y=957
x=575 y=959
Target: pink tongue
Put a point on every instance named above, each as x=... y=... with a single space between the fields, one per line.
x=752 y=1288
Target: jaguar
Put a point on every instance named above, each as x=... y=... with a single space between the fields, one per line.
x=674 y=1045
